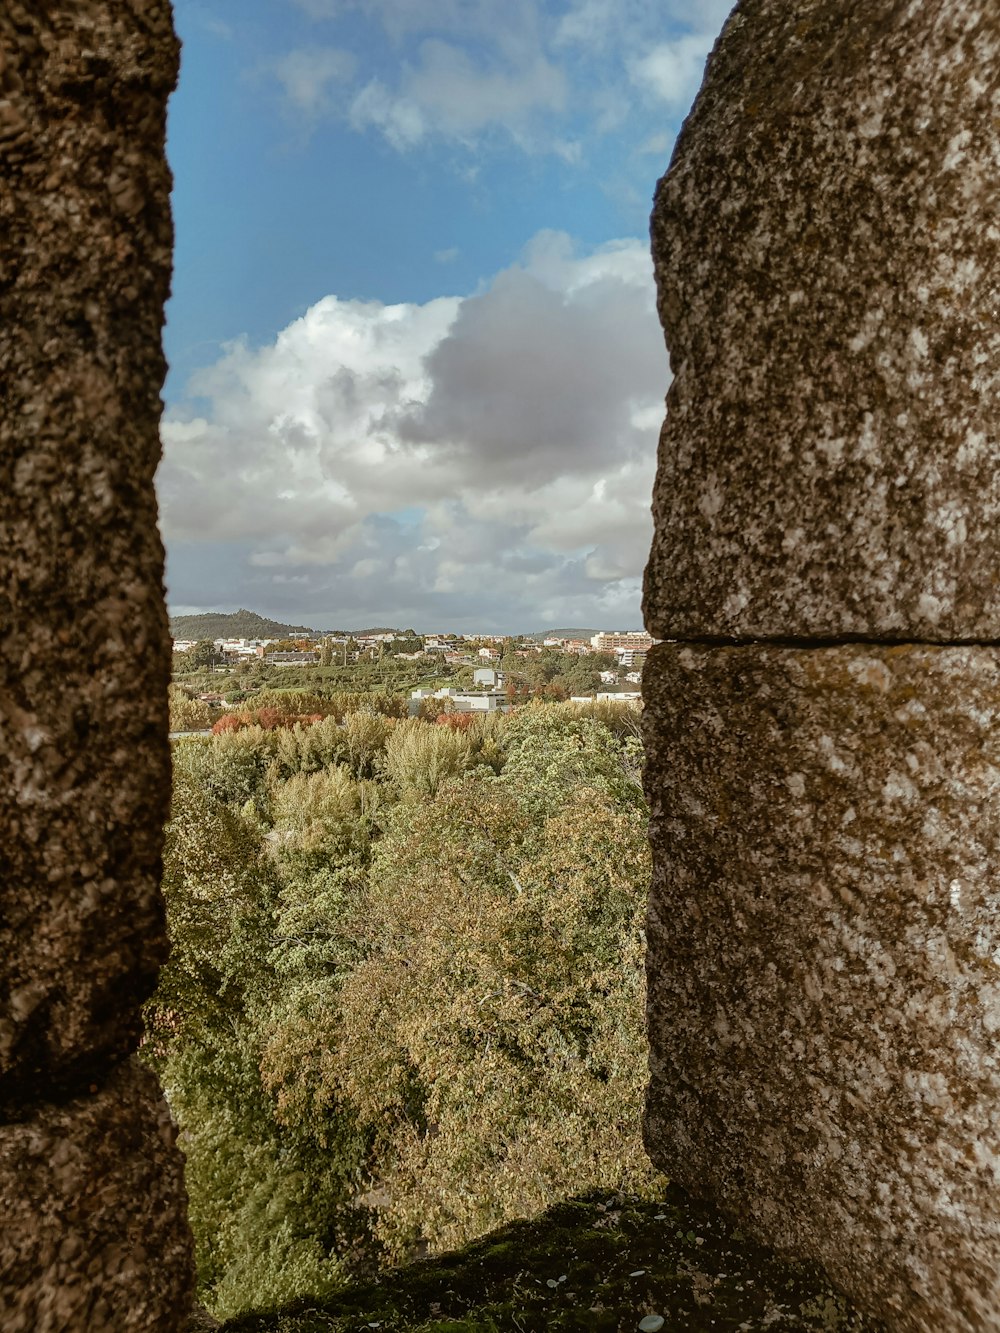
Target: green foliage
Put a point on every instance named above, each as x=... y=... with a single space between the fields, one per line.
x=358 y=740
x=405 y=997
x=188 y=714
x=220 y=890
x=555 y=675
x=621 y=718
x=240 y=624
x=418 y=757
x=496 y=1025
x=325 y=815
x=551 y=750
x=288 y=703
x=308 y=747
x=232 y=767
x=259 y=1221
x=204 y=653
x=383 y=702
x=407 y=642
x=267 y=1206
x=365 y=738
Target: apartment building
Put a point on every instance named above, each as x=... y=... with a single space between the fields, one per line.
x=615 y=641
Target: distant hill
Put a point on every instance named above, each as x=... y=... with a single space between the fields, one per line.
x=240 y=624
x=563 y=634
x=245 y=624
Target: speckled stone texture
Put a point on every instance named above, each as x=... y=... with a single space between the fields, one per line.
x=91 y=1239
x=827 y=251
x=824 y=960
x=93 y=1233
x=84 y=652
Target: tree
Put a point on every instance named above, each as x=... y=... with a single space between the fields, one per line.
x=204 y=653
x=405 y=955
x=418 y=757
x=250 y=672
x=494 y=1029
x=289 y=703
x=187 y=714
x=261 y=1197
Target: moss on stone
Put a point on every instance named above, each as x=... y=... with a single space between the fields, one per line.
x=599 y=1263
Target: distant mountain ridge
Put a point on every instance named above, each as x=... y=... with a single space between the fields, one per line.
x=240 y=624
x=244 y=624
x=563 y=634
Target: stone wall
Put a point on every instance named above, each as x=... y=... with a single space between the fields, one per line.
x=824 y=727
x=91 y=1188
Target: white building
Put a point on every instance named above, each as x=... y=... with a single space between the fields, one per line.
x=291 y=658
x=238 y=649
x=462 y=701
x=614 y=641
x=631 y=657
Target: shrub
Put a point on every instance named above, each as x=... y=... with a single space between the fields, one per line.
x=418 y=758
x=232 y=766
x=188 y=714
x=457 y=721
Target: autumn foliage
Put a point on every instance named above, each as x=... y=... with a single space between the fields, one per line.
x=457 y=721
x=268 y=718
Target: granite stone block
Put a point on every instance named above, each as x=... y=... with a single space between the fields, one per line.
x=827 y=257
x=93 y=1239
x=824 y=960
x=84 y=647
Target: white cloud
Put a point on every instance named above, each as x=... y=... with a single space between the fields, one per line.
x=306 y=75
x=218 y=28
x=672 y=71
x=634 y=23
x=401 y=122
x=543 y=368
x=446 y=92
x=535 y=73
x=483 y=455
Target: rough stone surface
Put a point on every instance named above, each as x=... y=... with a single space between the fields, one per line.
x=91 y=1237
x=84 y=649
x=827 y=253
x=93 y=1233
x=824 y=960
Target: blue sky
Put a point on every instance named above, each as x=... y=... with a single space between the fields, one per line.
x=416 y=375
